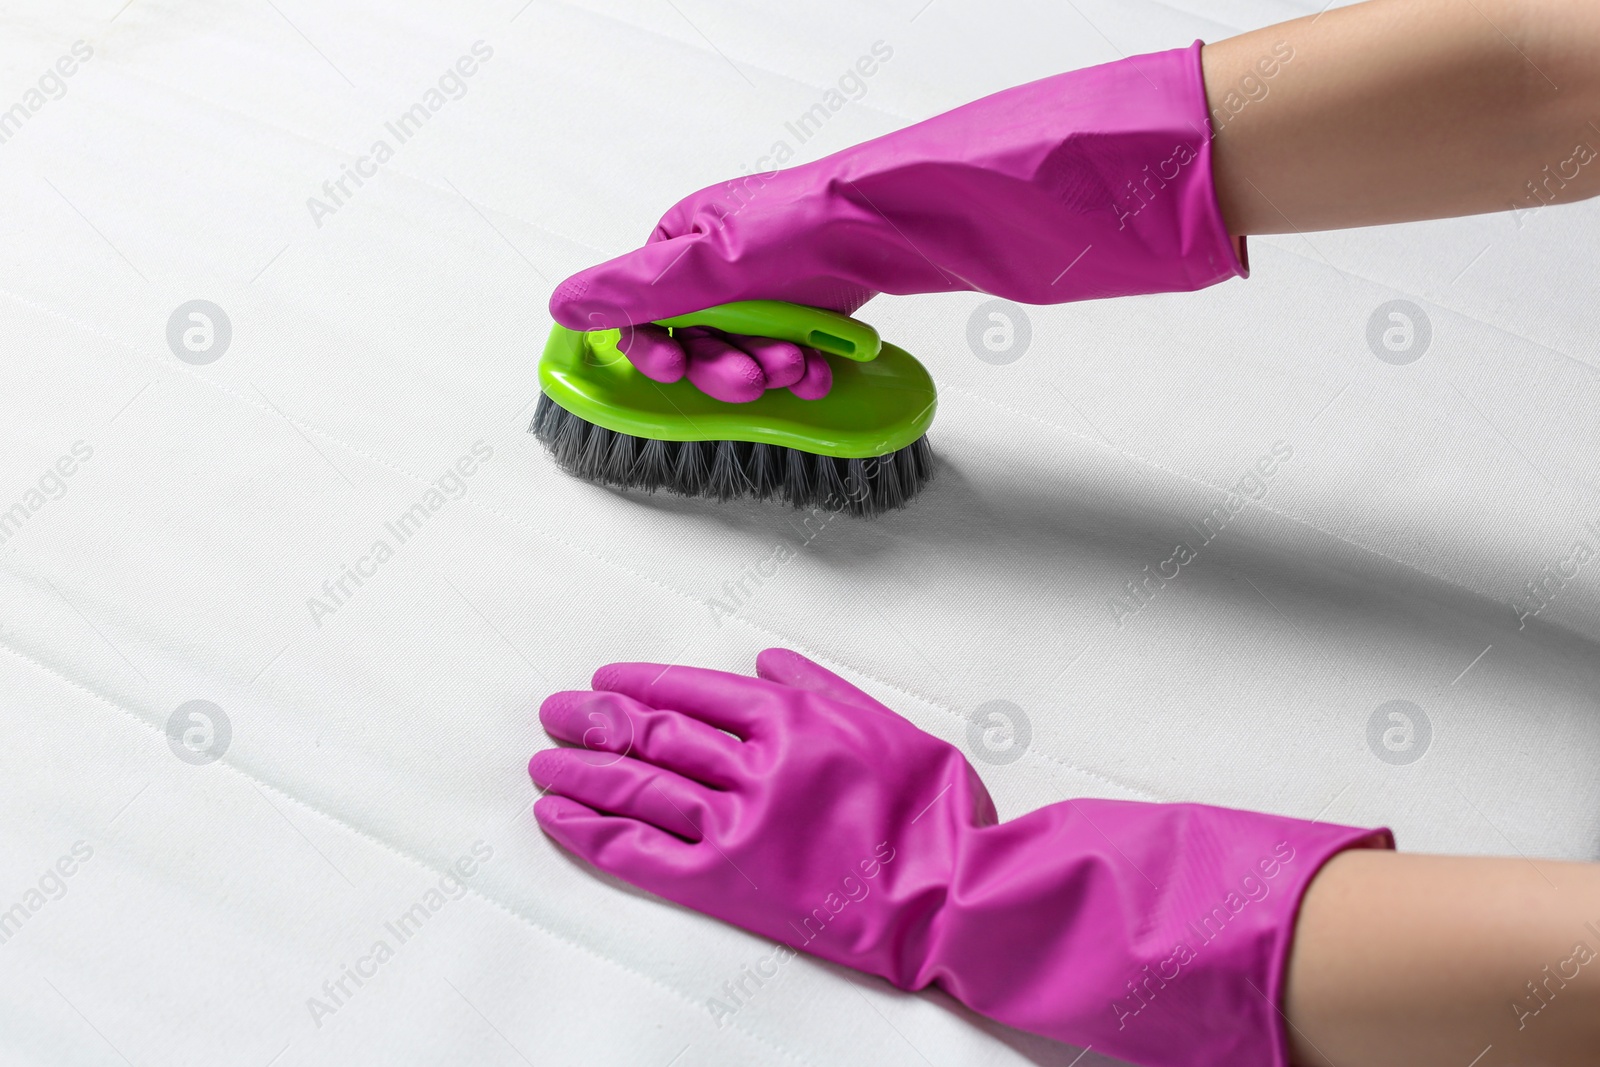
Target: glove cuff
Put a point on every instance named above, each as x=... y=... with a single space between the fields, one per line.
x=1217 y=255
x=1156 y=933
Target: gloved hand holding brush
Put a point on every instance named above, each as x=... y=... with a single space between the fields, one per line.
x=1139 y=176
x=1089 y=184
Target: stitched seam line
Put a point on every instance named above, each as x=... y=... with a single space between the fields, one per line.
x=491 y=509
x=1308 y=524
x=392 y=849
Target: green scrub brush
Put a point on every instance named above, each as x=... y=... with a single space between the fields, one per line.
x=860 y=449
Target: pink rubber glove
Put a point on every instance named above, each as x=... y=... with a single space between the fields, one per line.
x=1092 y=183
x=1158 y=933
x=736 y=368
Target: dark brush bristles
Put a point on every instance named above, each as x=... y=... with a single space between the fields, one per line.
x=620 y=460
x=916 y=466
x=592 y=463
x=764 y=471
x=798 y=486
x=857 y=487
x=566 y=439
x=653 y=469
x=728 y=478
x=545 y=416
x=830 y=483
x=723 y=470
x=886 y=485
x=692 y=471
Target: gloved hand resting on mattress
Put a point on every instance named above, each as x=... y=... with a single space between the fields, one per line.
x=1088 y=184
x=1157 y=933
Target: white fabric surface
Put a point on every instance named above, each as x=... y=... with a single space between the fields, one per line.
x=373 y=747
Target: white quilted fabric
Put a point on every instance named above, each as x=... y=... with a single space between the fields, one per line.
x=335 y=530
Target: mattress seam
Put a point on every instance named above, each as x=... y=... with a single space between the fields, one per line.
x=401 y=170
x=1258 y=243
x=896 y=115
x=398 y=469
x=391 y=847
x=1286 y=516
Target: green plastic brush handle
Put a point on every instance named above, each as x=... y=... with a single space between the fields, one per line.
x=875 y=407
x=833 y=333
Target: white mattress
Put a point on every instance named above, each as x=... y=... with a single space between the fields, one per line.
x=376 y=742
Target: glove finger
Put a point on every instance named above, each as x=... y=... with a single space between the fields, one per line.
x=653 y=351
x=733 y=702
x=611 y=722
x=627 y=787
x=817 y=379
x=720 y=370
x=787 y=667
x=782 y=362
x=634 y=851
x=656 y=281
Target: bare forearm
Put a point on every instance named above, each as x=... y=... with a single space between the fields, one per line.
x=1415 y=961
x=1396 y=110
